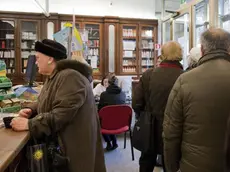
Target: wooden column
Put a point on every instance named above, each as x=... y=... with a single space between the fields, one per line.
x=213 y=13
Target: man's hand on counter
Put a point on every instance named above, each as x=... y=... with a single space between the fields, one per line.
x=19 y=124
x=25 y=113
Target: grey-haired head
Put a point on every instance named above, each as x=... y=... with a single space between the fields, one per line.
x=215 y=39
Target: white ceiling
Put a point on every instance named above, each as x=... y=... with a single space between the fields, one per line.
x=122 y=8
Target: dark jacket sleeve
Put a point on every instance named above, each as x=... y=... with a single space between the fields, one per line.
x=227 y=148
x=101 y=101
x=33 y=107
x=138 y=97
x=123 y=97
x=68 y=99
x=173 y=127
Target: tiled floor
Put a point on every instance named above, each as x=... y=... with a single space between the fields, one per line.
x=120 y=160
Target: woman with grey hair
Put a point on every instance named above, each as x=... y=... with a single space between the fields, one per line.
x=193 y=57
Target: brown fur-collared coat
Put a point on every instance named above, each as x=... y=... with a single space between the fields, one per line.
x=66 y=105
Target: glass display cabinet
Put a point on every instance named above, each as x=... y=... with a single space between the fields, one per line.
x=7 y=44
x=29 y=35
x=129 y=49
x=146 y=48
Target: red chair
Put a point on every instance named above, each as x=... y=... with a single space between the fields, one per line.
x=116 y=119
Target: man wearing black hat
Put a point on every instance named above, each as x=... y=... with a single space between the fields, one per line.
x=66 y=106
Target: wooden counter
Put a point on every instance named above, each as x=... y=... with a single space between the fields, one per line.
x=11 y=143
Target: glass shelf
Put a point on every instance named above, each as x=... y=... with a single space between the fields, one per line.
x=28 y=36
x=7 y=44
x=147 y=48
x=93 y=46
x=129 y=38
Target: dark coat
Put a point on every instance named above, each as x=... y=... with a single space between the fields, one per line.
x=151 y=95
x=66 y=105
x=191 y=67
x=112 y=96
x=227 y=148
x=196 y=116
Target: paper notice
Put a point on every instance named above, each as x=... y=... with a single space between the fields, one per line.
x=94 y=62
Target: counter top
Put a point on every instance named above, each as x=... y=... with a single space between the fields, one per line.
x=11 y=143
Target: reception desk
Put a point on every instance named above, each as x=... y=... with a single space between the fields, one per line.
x=11 y=144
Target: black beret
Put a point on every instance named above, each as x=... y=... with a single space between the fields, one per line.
x=51 y=48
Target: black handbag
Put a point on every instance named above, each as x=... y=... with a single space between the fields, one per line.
x=45 y=157
x=143 y=133
x=57 y=161
x=143 y=138
x=49 y=156
x=37 y=157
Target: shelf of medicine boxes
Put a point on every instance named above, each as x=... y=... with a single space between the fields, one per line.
x=10 y=109
x=128 y=46
x=147 y=47
x=26 y=51
x=93 y=45
x=7 y=52
x=10 y=64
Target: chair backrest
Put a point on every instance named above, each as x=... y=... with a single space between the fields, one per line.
x=115 y=116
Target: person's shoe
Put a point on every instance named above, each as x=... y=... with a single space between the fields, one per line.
x=115 y=146
x=109 y=147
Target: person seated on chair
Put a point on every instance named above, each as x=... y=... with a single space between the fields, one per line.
x=112 y=96
x=101 y=87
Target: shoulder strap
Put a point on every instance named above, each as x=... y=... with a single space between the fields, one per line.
x=61 y=144
x=148 y=91
x=57 y=135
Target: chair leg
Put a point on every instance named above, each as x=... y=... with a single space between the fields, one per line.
x=131 y=143
x=125 y=141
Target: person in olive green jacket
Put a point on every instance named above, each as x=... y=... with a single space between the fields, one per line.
x=196 y=114
x=65 y=106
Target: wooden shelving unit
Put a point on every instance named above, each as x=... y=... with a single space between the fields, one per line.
x=25 y=29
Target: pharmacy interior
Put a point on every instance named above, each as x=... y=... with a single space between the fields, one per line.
x=119 y=45
x=124 y=46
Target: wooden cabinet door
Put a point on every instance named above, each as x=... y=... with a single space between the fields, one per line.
x=49 y=27
x=94 y=47
x=111 y=48
x=147 y=52
x=129 y=49
x=29 y=33
x=8 y=45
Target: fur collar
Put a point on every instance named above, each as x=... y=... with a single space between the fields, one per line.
x=84 y=69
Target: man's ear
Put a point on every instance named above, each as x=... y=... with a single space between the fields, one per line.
x=202 y=50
